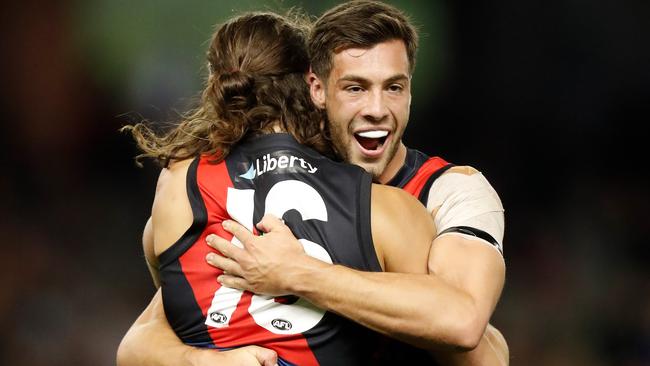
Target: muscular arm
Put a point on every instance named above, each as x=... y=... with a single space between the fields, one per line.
x=400 y=305
x=425 y=310
x=151 y=341
x=451 y=306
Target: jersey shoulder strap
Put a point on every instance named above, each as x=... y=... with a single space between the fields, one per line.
x=423 y=180
x=418 y=174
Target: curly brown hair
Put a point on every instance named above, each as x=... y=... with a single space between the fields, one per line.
x=257 y=63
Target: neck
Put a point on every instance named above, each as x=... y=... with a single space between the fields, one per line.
x=394 y=165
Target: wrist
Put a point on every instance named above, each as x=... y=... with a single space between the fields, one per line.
x=307 y=274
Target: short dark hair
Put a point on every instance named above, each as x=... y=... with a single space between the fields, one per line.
x=361 y=24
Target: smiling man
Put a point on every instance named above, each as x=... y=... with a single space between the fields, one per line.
x=367 y=98
x=363 y=57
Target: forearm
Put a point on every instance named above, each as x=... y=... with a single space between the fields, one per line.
x=421 y=309
x=151 y=341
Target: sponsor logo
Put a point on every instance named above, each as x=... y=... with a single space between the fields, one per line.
x=250 y=174
x=270 y=163
x=281 y=324
x=218 y=318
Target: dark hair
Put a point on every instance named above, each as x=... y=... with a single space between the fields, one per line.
x=361 y=24
x=257 y=64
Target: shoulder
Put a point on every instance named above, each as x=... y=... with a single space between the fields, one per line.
x=171 y=213
x=170 y=176
x=462 y=182
x=463 y=197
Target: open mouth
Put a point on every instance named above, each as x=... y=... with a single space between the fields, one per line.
x=371 y=142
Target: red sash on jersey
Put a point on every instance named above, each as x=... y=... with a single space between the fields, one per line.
x=424 y=177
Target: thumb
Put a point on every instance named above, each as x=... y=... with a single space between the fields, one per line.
x=270 y=223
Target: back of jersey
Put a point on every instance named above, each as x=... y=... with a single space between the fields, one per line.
x=326 y=205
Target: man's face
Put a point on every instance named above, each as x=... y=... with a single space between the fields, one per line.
x=367 y=97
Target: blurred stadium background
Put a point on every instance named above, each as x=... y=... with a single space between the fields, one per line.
x=547 y=98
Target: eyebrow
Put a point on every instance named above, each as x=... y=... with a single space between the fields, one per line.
x=398 y=77
x=362 y=80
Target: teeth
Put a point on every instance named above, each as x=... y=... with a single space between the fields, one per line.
x=373 y=134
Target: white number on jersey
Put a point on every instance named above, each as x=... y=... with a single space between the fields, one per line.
x=275 y=317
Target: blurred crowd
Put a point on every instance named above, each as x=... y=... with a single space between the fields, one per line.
x=547 y=99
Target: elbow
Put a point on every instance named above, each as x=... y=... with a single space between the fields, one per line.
x=469 y=338
x=467 y=332
x=461 y=331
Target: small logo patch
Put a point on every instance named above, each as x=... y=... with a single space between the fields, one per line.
x=250 y=174
x=218 y=318
x=281 y=324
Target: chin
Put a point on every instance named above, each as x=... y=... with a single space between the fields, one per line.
x=375 y=169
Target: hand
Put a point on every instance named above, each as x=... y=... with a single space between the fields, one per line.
x=266 y=265
x=245 y=356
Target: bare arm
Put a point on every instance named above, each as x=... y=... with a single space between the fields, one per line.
x=151 y=341
x=149 y=253
x=425 y=310
x=492 y=350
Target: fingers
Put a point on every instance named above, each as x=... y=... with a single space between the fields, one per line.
x=271 y=223
x=226 y=264
x=224 y=246
x=240 y=232
x=235 y=282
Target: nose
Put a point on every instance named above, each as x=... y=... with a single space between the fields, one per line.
x=375 y=109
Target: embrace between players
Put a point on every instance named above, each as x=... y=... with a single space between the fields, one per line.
x=347 y=271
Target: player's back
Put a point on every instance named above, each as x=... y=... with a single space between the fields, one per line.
x=327 y=206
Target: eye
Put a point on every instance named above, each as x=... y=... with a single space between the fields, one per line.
x=395 y=88
x=354 y=89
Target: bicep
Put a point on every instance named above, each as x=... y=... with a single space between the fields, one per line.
x=402 y=230
x=462 y=200
x=470 y=265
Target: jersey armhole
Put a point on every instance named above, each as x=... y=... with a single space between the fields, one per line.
x=200 y=218
x=364 y=227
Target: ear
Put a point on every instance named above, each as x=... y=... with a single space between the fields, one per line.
x=316 y=90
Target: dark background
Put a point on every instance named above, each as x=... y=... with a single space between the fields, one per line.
x=549 y=99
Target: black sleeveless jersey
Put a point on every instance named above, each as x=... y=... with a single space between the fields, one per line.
x=327 y=206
